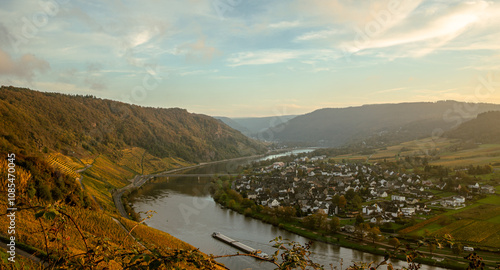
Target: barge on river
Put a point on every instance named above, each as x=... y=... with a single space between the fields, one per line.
x=240 y=246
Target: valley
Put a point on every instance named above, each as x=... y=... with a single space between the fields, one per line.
x=108 y=172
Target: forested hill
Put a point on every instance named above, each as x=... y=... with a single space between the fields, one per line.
x=33 y=121
x=483 y=129
x=253 y=125
x=378 y=123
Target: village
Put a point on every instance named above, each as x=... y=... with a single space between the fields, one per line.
x=348 y=190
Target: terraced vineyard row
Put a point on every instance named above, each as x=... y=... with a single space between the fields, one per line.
x=54 y=160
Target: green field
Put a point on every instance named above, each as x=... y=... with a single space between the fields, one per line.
x=482 y=155
x=476 y=224
x=492 y=199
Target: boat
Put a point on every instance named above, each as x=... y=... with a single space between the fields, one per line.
x=259 y=254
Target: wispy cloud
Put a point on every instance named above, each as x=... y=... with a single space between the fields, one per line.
x=262 y=57
x=199 y=51
x=389 y=90
x=285 y=24
x=438 y=29
x=198 y=72
x=265 y=57
x=314 y=35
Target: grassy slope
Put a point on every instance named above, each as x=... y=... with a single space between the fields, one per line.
x=476 y=224
x=483 y=154
x=473 y=215
x=99 y=180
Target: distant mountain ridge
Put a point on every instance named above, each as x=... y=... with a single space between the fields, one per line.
x=35 y=121
x=376 y=124
x=485 y=128
x=251 y=126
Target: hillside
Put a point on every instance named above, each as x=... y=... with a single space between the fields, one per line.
x=73 y=152
x=379 y=124
x=251 y=126
x=34 y=121
x=483 y=129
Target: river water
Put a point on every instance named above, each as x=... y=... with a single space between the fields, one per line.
x=185 y=209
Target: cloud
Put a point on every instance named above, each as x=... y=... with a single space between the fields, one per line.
x=198 y=72
x=285 y=24
x=389 y=90
x=24 y=68
x=4 y=34
x=357 y=12
x=421 y=33
x=266 y=57
x=262 y=57
x=314 y=35
x=93 y=78
x=198 y=51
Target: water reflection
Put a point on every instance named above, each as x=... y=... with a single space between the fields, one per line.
x=186 y=210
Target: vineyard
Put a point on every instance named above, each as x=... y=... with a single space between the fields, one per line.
x=475 y=225
x=64 y=164
x=142 y=162
x=480 y=232
x=419 y=226
x=481 y=212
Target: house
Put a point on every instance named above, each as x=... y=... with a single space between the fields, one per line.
x=459 y=199
x=474 y=188
x=381 y=219
x=252 y=195
x=487 y=189
x=398 y=198
x=370 y=210
x=275 y=203
x=408 y=211
x=348 y=228
x=411 y=201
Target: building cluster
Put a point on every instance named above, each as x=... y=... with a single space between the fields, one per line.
x=310 y=184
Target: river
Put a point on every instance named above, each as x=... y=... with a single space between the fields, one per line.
x=185 y=209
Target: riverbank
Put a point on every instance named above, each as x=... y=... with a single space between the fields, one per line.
x=139 y=180
x=191 y=207
x=245 y=207
x=234 y=201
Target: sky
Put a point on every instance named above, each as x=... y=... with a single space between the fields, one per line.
x=252 y=58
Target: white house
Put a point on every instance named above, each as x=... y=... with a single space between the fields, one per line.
x=408 y=211
x=459 y=199
x=381 y=219
x=275 y=203
x=383 y=194
x=398 y=198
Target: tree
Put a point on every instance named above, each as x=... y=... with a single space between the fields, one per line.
x=334 y=224
x=457 y=248
x=432 y=247
x=361 y=229
x=394 y=242
x=342 y=202
x=359 y=219
x=316 y=221
x=286 y=212
x=356 y=202
x=374 y=234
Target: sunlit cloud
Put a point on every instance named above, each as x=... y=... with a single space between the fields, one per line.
x=25 y=67
x=323 y=34
x=332 y=46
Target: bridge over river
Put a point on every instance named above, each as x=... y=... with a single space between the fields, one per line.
x=196 y=175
